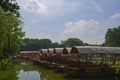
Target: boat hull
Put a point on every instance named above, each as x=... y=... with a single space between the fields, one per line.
x=90 y=71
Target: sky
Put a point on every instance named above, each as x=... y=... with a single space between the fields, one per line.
x=59 y=20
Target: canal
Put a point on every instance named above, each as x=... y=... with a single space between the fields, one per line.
x=25 y=70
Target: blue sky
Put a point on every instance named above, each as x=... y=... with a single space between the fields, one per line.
x=59 y=20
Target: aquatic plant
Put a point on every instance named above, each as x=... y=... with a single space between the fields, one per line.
x=10 y=74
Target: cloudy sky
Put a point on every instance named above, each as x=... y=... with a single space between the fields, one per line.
x=58 y=20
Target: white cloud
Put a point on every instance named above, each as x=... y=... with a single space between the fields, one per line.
x=81 y=26
x=61 y=7
x=98 y=7
x=53 y=7
x=87 y=31
x=69 y=24
x=34 y=6
x=48 y=7
x=115 y=16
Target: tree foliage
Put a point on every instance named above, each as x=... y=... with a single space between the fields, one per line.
x=10 y=6
x=112 y=37
x=10 y=29
x=36 y=44
x=55 y=45
x=72 y=42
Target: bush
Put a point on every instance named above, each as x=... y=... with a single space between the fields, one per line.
x=117 y=73
x=5 y=64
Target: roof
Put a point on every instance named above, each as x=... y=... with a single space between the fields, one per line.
x=95 y=49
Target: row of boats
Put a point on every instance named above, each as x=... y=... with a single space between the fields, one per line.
x=78 y=60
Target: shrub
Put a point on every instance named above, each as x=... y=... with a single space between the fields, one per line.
x=117 y=73
x=5 y=64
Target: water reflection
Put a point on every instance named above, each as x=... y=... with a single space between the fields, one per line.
x=29 y=75
x=27 y=71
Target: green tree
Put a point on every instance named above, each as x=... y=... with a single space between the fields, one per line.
x=10 y=6
x=55 y=45
x=10 y=28
x=10 y=34
x=112 y=37
x=117 y=73
x=72 y=42
x=36 y=44
x=46 y=43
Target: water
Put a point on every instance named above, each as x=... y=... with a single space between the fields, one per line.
x=24 y=70
x=29 y=75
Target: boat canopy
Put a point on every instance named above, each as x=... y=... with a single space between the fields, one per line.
x=66 y=50
x=51 y=50
x=95 y=49
x=44 y=51
x=28 y=52
x=58 y=50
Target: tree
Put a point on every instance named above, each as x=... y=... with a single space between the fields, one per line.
x=72 y=42
x=55 y=45
x=35 y=44
x=112 y=37
x=10 y=34
x=10 y=28
x=10 y=6
x=46 y=43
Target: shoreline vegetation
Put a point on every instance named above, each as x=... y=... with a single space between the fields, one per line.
x=11 y=33
x=117 y=73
